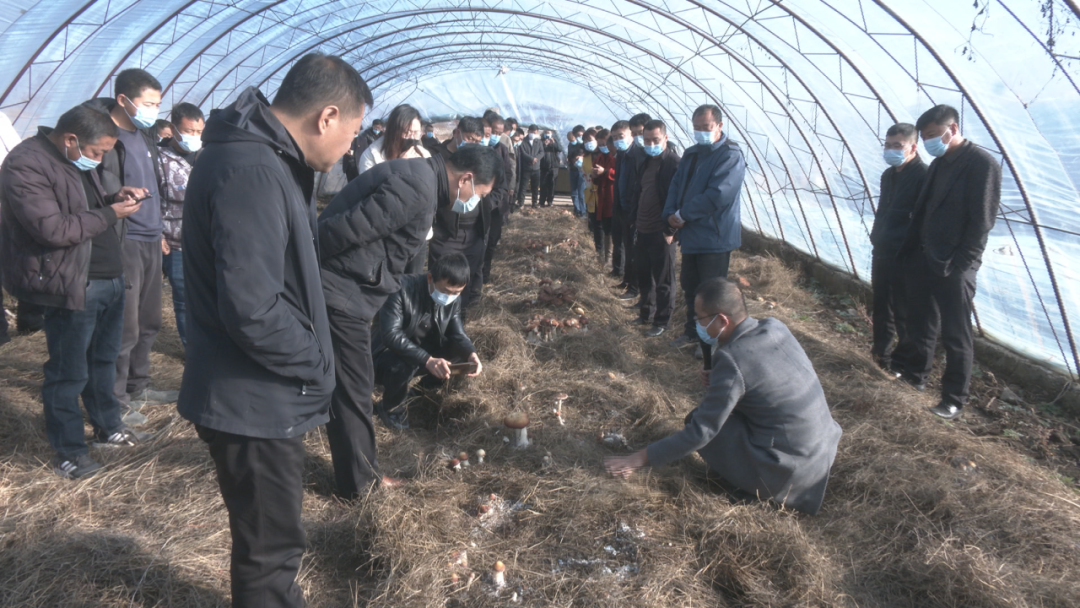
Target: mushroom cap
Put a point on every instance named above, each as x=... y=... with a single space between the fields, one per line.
x=562 y=396
x=481 y=453
x=455 y=462
x=463 y=456
x=516 y=420
x=500 y=567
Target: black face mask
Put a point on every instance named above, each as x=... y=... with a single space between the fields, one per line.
x=412 y=143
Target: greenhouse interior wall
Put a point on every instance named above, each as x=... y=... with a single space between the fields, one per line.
x=808 y=89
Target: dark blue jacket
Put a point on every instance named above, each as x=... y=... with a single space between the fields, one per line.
x=708 y=197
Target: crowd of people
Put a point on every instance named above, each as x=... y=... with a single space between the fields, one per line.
x=290 y=317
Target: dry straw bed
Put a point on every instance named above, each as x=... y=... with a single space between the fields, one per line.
x=908 y=521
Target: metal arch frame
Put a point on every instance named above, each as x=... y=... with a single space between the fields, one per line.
x=1007 y=157
x=808 y=235
x=674 y=68
x=33 y=57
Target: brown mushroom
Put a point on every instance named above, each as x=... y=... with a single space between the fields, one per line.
x=518 y=423
x=499 y=575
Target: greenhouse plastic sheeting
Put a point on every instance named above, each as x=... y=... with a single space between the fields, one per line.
x=808 y=87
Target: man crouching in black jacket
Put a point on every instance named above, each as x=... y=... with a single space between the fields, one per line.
x=367 y=235
x=420 y=328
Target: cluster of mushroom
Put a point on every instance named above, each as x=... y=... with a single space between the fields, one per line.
x=547 y=328
x=555 y=295
x=537 y=245
x=462 y=460
x=567 y=243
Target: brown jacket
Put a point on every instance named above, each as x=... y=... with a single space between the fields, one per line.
x=46 y=225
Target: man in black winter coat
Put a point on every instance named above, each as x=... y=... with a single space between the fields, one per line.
x=367 y=234
x=499 y=198
x=259 y=371
x=420 y=330
x=943 y=251
x=901 y=184
x=530 y=152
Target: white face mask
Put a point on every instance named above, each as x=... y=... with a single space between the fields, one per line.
x=461 y=206
x=191 y=143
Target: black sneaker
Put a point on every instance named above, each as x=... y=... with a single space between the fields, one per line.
x=913 y=383
x=77 y=467
x=640 y=321
x=629 y=294
x=123 y=438
x=947 y=411
x=393 y=420
x=655 y=331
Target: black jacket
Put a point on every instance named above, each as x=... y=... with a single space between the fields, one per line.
x=373 y=227
x=528 y=150
x=552 y=150
x=899 y=191
x=446 y=219
x=956 y=210
x=500 y=201
x=111 y=169
x=259 y=360
x=410 y=320
x=635 y=161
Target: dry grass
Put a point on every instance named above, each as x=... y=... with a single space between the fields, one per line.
x=900 y=526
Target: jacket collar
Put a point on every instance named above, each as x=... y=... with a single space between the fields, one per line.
x=710 y=148
x=747 y=325
x=51 y=149
x=965 y=147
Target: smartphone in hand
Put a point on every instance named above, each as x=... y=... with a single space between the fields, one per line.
x=461 y=369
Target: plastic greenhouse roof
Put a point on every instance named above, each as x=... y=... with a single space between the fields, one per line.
x=807 y=86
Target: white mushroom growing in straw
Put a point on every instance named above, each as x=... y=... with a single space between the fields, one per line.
x=500 y=574
x=480 y=456
x=464 y=458
x=518 y=423
x=558 y=407
x=455 y=464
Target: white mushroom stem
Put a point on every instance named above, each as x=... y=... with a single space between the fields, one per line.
x=480 y=456
x=500 y=574
x=521 y=437
x=558 y=416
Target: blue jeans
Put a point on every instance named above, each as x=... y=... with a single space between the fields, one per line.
x=83 y=346
x=172 y=265
x=577 y=191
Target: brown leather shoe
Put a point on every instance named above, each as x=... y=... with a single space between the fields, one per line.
x=390 y=482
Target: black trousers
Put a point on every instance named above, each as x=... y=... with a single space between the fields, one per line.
x=629 y=246
x=599 y=229
x=696 y=269
x=655 y=261
x=394 y=374
x=528 y=179
x=941 y=304
x=618 y=258
x=472 y=242
x=261 y=484
x=416 y=264
x=494 y=235
x=547 y=186
x=351 y=431
x=890 y=312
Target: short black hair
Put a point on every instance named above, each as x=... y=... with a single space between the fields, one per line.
x=490 y=115
x=512 y=121
x=482 y=161
x=713 y=110
x=453 y=267
x=86 y=123
x=495 y=120
x=938 y=115
x=519 y=132
x=185 y=110
x=638 y=120
x=428 y=126
x=602 y=136
x=721 y=295
x=317 y=81
x=656 y=124
x=533 y=128
x=620 y=125
x=160 y=125
x=378 y=122
x=470 y=125
x=578 y=129
x=903 y=129
x=132 y=82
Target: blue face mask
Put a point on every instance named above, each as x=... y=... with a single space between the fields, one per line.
x=84 y=163
x=654 y=150
x=622 y=145
x=604 y=149
x=430 y=134
x=494 y=141
x=937 y=145
x=590 y=146
x=442 y=299
x=639 y=140
x=144 y=118
x=703 y=137
x=703 y=332
x=579 y=162
x=894 y=158
x=461 y=206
